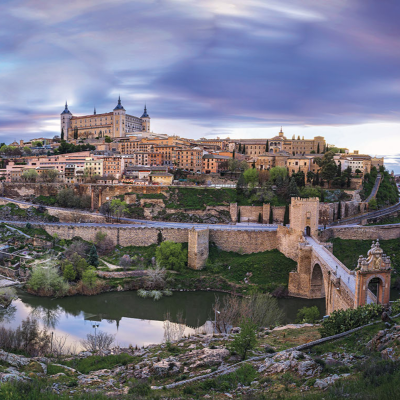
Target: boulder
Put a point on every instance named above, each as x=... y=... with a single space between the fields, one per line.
x=167 y=366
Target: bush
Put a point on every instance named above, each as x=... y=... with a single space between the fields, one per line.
x=246 y=339
x=47 y=281
x=307 y=315
x=170 y=255
x=344 y=320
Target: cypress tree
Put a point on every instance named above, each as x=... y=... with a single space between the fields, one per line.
x=238 y=215
x=317 y=179
x=339 y=169
x=240 y=147
x=271 y=215
x=93 y=258
x=259 y=218
x=253 y=165
x=318 y=149
x=160 y=238
x=62 y=134
x=267 y=147
x=244 y=149
x=286 y=216
x=339 y=210
x=233 y=153
x=322 y=196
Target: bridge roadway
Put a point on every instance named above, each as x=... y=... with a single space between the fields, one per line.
x=334 y=264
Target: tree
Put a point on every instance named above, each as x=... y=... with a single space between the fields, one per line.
x=49 y=175
x=241 y=184
x=108 y=139
x=62 y=134
x=271 y=215
x=69 y=272
x=37 y=143
x=244 y=149
x=339 y=210
x=267 y=147
x=339 y=169
x=307 y=315
x=310 y=176
x=328 y=166
x=76 y=133
x=46 y=281
x=240 y=148
x=89 y=277
x=77 y=247
x=125 y=261
x=373 y=204
x=251 y=177
x=277 y=171
x=358 y=171
x=160 y=238
x=30 y=175
x=286 y=216
x=106 y=210
x=93 y=258
x=238 y=215
x=27 y=150
x=318 y=149
x=233 y=165
x=293 y=189
x=245 y=340
x=171 y=255
x=300 y=178
x=103 y=243
x=118 y=208
x=243 y=166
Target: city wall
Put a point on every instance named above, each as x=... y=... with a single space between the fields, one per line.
x=384 y=232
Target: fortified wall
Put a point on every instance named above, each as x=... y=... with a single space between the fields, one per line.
x=383 y=232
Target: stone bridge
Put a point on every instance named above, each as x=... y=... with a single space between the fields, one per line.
x=320 y=274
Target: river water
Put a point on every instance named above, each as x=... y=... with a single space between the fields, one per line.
x=132 y=319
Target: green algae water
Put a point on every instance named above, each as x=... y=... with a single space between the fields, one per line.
x=132 y=319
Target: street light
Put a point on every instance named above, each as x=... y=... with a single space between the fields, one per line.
x=215 y=321
x=95 y=326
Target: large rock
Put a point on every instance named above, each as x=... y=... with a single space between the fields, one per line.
x=206 y=356
x=167 y=366
x=295 y=361
x=14 y=359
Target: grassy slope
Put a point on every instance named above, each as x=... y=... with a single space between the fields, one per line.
x=348 y=251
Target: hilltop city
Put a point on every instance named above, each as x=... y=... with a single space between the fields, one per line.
x=118 y=147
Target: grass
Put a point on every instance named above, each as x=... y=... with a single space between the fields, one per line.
x=94 y=363
x=269 y=269
x=348 y=251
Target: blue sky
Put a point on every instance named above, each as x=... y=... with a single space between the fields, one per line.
x=207 y=68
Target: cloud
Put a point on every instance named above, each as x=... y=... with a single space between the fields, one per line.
x=207 y=66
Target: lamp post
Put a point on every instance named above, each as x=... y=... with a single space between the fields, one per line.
x=95 y=326
x=215 y=320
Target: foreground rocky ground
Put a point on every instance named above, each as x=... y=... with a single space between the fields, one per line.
x=171 y=371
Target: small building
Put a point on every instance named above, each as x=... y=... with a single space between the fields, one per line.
x=161 y=178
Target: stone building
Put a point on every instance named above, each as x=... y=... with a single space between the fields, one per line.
x=113 y=124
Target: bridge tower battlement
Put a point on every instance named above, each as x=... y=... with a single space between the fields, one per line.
x=304 y=215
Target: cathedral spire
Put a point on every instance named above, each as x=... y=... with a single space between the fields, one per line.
x=94 y=112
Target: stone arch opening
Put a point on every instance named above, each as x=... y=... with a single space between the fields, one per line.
x=375 y=290
x=317 y=283
x=308 y=231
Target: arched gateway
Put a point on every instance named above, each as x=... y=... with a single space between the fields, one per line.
x=320 y=274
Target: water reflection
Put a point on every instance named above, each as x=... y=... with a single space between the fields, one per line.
x=132 y=319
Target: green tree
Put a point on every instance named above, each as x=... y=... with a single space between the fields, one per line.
x=118 y=208
x=328 y=166
x=93 y=258
x=27 y=150
x=62 y=134
x=271 y=215
x=286 y=216
x=339 y=169
x=170 y=255
x=240 y=148
x=160 y=238
x=310 y=176
x=267 y=147
x=276 y=172
x=30 y=175
x=318 y=149
x=89 y=277
x=339 y=210
x=47 y=281
x=308 y=315
x=246 y=340
x=37 y=143
x=76 y=133
x=293 y=189
x=251 y=177
x=244 y=149
x=373 y=204
x=69 y=272
x=241 y=184
x=239 y=215
x=49 y=175
x=108 y=139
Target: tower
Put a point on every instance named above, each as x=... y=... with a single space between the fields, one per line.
x=281 y=133
x=373 y=277
x=119 y=120
x=304 y=214
x=145 y=120
x=66 y=116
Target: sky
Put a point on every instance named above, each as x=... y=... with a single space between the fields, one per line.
x=206 y=68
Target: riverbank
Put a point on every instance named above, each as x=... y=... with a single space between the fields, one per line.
x=359 y=365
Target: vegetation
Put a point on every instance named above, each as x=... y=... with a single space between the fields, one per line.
x=343 y=320
x=245 y=340
x=47 y=282
x=348 y=251
x=308 y=315
x=170 y=255
x=66 y=147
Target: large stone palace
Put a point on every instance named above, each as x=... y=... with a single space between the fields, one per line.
x=116 y=123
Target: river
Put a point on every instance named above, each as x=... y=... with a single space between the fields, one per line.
x=132 y=319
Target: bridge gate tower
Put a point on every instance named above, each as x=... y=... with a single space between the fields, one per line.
x=373 y=277
x=304 y=214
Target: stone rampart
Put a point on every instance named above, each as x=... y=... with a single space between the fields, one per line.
x=198 y=248
x=250 y=213
x=383 y=232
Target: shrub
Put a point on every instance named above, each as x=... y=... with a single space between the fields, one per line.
x=344 y=320
x=246 y=339
x=170 y=255
x=100 y=341
x=307 y=315
x=47 y=281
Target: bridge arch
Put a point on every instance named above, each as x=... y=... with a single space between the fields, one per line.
x=317 y=284
x=375 y=287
